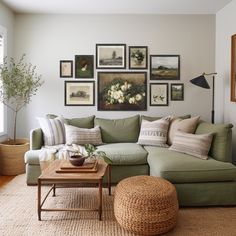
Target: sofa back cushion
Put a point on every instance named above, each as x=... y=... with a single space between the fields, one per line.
x=152 y=118
x=221 y=147
x=119 y=130
x=83 y=122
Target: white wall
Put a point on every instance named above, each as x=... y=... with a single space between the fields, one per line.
x=7 y=20
x=47 y=39
x=225 y=27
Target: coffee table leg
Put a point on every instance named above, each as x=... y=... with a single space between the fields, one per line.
x=54 y=190
x=100 y=199
x=39 y=200
x=109 y=179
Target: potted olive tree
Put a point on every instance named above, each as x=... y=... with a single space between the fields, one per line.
x=18 y=83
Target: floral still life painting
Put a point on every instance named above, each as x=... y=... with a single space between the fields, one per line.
x=122 y=91
x=138 y=57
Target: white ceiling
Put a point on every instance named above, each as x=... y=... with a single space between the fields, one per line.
x=117 y=6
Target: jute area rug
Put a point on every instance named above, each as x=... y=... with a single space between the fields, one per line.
x=18 y=215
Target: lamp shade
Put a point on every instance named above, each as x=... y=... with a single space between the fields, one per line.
x=200 y=81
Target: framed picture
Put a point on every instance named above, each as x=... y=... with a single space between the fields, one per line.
x=164 y=67
x=177 y=92
x=159 y=94
x=122 y=91
x=110 y=56
x=66 y=69
x=84 y=66
x=79 y=93
x=138 y=57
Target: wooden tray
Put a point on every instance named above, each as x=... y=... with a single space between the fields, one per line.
x=69 y=168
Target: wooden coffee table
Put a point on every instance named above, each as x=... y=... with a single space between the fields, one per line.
x=49 y=176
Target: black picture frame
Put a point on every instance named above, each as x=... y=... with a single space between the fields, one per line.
x=177 y=92
x=84 y=93
x=122 y=91
x=66 y=68
x=138 y=57
x=165 y=67
x=110 y=56
x=84 y=66
x=159 y=94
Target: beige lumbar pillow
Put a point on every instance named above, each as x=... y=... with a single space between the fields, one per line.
x=75 y=135
x=185 y=125
x=197 y=145
x=154 y=132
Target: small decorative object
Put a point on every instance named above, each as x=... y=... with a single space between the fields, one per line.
x=233 y=68
x=164 y=67
x=138 y=57
x=159 y=94
x=79 y=93
x=77 y=160
x=177 y=92
x=84 y=66
x=66 y=69
x=110 y=56
x=122 y=91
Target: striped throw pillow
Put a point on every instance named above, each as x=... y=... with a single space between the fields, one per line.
x=53 y=130
x=197 y=145
x=75 y=135
x=154 y=133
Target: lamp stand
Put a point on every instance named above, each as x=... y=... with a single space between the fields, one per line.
x=213 y=101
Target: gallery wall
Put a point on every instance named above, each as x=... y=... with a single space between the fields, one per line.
x=47 y=39
x=225 y=28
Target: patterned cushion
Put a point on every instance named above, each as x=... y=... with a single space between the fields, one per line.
x=53 y=130
x=154 y=132
x=197 y=145
x=185 y=125
x=83 y=136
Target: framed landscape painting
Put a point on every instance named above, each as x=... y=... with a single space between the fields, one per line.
x=122 y=91
x=177 y=92
x=110 y=56
x=79 y=93
x=66 y=69
x=138 y=57
x=164 y=67
x=159 y=94
x=84 y=66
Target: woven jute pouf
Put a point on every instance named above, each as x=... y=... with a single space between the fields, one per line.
x=146 y=205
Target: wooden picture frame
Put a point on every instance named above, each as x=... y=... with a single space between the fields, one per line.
x=66 y=68
x=122 y=91
x=177 y=92
x=110 y=56
x=165 y=67
x=233 y=69
x=159 y=94
x=138 y=57
x=79 y=93
x=84 y=66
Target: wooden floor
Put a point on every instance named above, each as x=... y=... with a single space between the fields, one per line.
x=5 y=179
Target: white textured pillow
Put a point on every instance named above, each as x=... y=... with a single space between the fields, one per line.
x=154 y=132
x=197 y=145
x=53 y=130
x=75 y=135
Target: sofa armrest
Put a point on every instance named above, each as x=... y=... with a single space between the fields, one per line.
x=36 y=139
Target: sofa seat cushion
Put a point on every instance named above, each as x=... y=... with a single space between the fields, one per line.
x=125 y=153
x=183 y=168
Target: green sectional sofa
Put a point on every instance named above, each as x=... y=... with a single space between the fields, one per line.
x=198 y=182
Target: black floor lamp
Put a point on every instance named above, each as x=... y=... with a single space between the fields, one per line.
x=202 y=82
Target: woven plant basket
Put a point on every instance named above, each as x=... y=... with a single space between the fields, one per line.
x=12 y=156
x=146 y=205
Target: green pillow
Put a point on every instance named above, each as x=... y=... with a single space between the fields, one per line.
x=124 y=130
x=221 y=146
x=83 y=122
